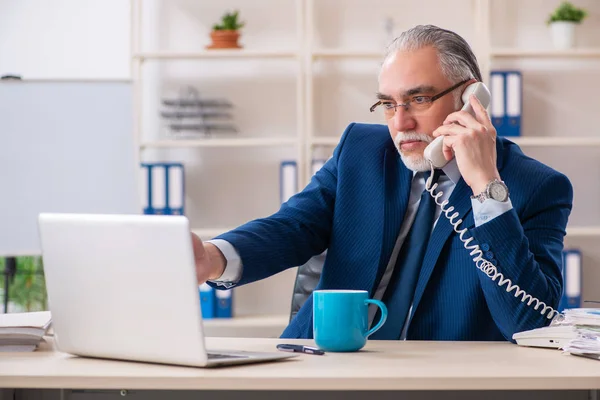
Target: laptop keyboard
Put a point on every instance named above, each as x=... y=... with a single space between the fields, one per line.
x=216 y=356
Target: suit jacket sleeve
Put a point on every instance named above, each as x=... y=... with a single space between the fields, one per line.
x=527 y=249
x=299 y=230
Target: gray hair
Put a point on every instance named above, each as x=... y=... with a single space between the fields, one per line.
x=457 y=60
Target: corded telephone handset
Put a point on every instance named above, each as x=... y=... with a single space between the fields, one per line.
x=433 y=153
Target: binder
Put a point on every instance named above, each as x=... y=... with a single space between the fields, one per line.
x=175 y=191
x=288 y=177
x=572 y=279
x=224 y=303
x=317 y=164
x=506 y=103
x=207 y=301
x=514 y=96
x=497 y=110
x=163 y=188
x=145 y=189
x=158 y=188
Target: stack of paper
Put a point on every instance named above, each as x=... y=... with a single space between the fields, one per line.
x=587 y=324
x=23 y=331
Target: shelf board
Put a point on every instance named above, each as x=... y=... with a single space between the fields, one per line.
x=583 y=231
x=495 y=52
x=555 y=141
x=325 y=140
x=346 y=53
x=516 y=52
x=216 y=53
x=210 y=233
x=250 y=321
x=220 y=142
x=262 y=326
x=521 y=141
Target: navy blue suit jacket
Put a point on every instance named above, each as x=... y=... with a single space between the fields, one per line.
x=354 y=206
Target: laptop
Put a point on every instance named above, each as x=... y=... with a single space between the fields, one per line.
x=124 y=287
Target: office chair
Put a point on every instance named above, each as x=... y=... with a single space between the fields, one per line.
x=307 y=278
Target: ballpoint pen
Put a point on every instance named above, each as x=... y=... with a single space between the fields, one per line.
x=297 y=348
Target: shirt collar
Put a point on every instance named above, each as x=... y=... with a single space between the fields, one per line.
x=451 y=170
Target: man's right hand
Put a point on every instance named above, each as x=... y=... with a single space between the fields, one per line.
x=210 y=262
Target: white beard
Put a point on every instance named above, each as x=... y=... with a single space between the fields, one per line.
x=414 y=162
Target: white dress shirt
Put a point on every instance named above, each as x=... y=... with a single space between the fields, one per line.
x=482 y=213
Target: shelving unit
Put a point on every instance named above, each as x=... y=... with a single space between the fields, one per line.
x=215 y=54
x=306 y=55
x=521 y=141
x=270 y=326
x=217 y=142
x=343 y=53
x=141 y=56
x=547 y=53
x=210 y=233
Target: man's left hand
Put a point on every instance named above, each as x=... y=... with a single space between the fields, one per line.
x=472 y=140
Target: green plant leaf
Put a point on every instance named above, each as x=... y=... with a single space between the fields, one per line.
x=229 y=21
x=567 y=12
x=28 y=288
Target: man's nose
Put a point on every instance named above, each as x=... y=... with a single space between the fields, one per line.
x=402 y=120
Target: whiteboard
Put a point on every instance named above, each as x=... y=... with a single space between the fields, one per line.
x=64 y=147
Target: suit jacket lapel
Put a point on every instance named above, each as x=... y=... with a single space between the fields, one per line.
x=397 y=183
x=460 y=199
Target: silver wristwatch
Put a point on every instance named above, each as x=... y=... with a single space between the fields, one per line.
x=496 y=190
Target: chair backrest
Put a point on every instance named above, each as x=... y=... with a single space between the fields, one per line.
x=307 y=278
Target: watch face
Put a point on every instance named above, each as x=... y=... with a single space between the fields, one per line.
x=498 y=191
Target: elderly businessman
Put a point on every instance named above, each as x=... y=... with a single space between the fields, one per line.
x=384 y=233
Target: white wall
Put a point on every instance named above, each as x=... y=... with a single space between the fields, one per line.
x=65 y=39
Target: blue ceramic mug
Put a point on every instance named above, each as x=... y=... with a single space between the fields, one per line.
x=341 y=319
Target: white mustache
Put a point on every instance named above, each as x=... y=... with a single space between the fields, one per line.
x=411 y=136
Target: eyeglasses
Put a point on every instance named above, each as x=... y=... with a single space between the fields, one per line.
x=416 y=104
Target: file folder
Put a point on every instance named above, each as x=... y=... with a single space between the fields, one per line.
x=497 y=109
x=158 y=188
x=317 y=164
x=514 y=95
x=207 y=301
x=224 y=303
x=175 y=192
x=506 y=102
x=144 y=189
x=163 y=188
x=288 y=180
x=572 y=279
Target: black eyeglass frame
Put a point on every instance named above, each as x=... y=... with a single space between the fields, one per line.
x=433 y=98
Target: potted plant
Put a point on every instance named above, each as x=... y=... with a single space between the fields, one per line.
x=562 y=22
x=225 y=35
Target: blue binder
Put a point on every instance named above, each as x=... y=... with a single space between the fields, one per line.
x=317 y=164
x=288 y=180
x=163 y=188
x=145 y=182
x=224 y=303
x=507 y=101
x=572 y=279
x=208 y=305
x=175 y=188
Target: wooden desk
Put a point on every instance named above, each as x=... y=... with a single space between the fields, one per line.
x=380 y=366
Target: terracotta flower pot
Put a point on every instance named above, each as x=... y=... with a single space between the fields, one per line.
x=224 y=39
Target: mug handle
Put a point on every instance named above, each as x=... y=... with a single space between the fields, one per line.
x=384 y=315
